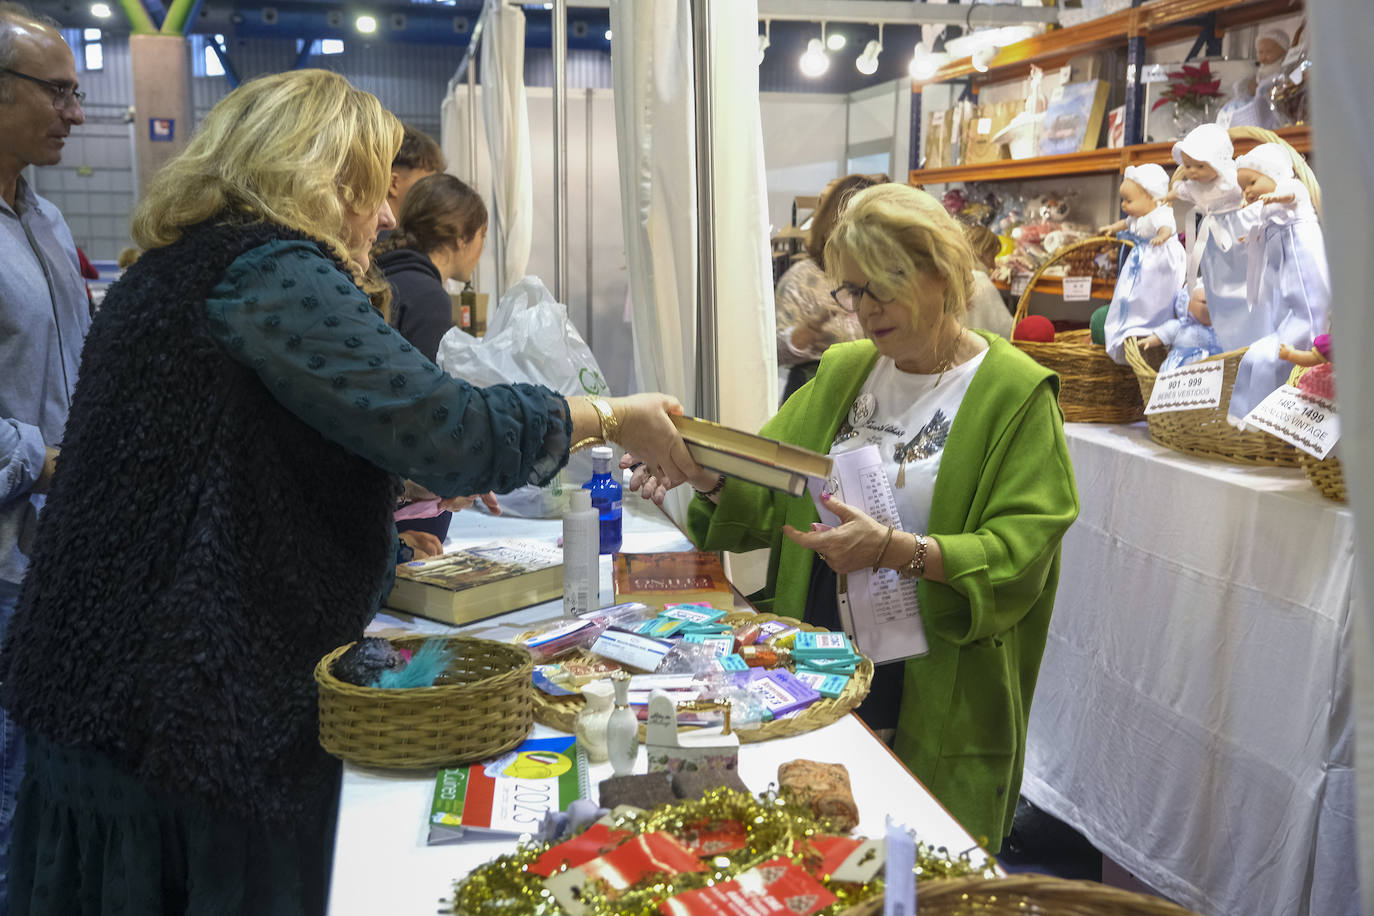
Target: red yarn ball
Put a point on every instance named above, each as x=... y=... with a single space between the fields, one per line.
x=1036 y=328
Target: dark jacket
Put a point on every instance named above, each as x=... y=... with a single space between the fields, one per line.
x=420 y=306
x=177 y=602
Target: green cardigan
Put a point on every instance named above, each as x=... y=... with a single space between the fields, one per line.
x=1004 y=497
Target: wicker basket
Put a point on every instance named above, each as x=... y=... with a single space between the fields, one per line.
x=482 y=706
x=561 y=712
x=1205 y=432
x=1092 y=388
x=1026 y=895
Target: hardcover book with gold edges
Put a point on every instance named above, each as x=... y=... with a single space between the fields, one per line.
x=478 y=582
x=757 y=459
x=678 y=577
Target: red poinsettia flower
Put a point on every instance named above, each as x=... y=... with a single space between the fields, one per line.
x=1191 y=87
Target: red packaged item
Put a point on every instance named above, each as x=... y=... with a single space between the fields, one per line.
x=713 y=838
x=853 y=860
x=596 y=840
x=775 y=887
x=609 y=875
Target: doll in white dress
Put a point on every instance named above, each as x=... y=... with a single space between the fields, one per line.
x=1287 y=281
x=1154 y=269
x=1214 y=251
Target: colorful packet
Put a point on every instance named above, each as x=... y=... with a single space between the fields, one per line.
x=692 y=613
x=827 y=685
x=820 y=644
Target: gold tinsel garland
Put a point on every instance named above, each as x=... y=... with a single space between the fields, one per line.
x=506 y=886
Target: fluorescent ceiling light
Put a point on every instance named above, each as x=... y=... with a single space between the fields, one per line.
x=101 y=10
x=366 y=24
x=967 y=45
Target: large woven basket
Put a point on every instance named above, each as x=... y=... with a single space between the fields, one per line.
x=1092 y=388
x=1026 y=895
x=1324 y=473
x=561 y=712
x=1205 y=432
x=482 y=706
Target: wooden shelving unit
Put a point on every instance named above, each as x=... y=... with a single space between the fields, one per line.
x=1102 y=289
x=1093 y=162
x=1159 y=22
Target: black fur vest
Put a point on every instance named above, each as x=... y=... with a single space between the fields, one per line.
x=201 y=549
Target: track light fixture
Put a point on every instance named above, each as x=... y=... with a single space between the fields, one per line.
x=815 y=61
x=867 y=64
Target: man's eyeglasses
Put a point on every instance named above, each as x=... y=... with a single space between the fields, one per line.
x=63 y=96
x=849 y=295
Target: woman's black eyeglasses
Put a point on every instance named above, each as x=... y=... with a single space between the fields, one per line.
x=849 y=295
x=62 y=95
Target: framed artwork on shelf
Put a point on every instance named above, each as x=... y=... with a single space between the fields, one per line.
x=1073 y=119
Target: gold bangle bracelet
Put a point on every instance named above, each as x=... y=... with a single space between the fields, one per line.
x=882 y=550
x=610 y=424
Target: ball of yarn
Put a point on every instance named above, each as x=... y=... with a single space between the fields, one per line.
x=1319 y=381
x=1035 y=328
x=1097 y=326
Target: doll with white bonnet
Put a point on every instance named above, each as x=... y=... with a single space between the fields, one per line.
x=1287 y=280
x=1215 y=253
x=1154 y=268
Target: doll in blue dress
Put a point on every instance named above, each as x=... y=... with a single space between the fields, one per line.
x=1153 y=270
x=1215 y=252
x=1287 y=279
x=1188 y=335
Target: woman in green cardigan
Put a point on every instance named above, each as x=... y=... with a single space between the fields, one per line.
x=972 y=440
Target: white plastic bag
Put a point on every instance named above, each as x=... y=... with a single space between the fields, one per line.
x=529 y=339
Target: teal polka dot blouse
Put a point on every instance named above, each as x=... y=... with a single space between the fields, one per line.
x=310 y=334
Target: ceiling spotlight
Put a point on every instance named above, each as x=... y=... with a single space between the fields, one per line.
x=982 y=57
x=764 y=40
x=334 y=19
x=365 y=24
x=608 y=34
x=101 y=10
x=867 y=64
x=836 y=41
x=814 y=62
x=925 y=63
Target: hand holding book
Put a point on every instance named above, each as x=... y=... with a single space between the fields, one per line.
x=640 y=423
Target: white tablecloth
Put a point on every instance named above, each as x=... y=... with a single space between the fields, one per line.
x=381 y=862
x=1193 y=716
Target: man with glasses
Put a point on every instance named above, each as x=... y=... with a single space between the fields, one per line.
x=44 y=315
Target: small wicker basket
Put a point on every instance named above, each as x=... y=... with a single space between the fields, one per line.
x=1092 y=388
x=481 y=706
x=1026 y=895
x=1205 y=432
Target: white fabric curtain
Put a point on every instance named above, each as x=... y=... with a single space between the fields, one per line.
x=652 y=68
x=1342 y=32
x=746 y=354
x=506 y=119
